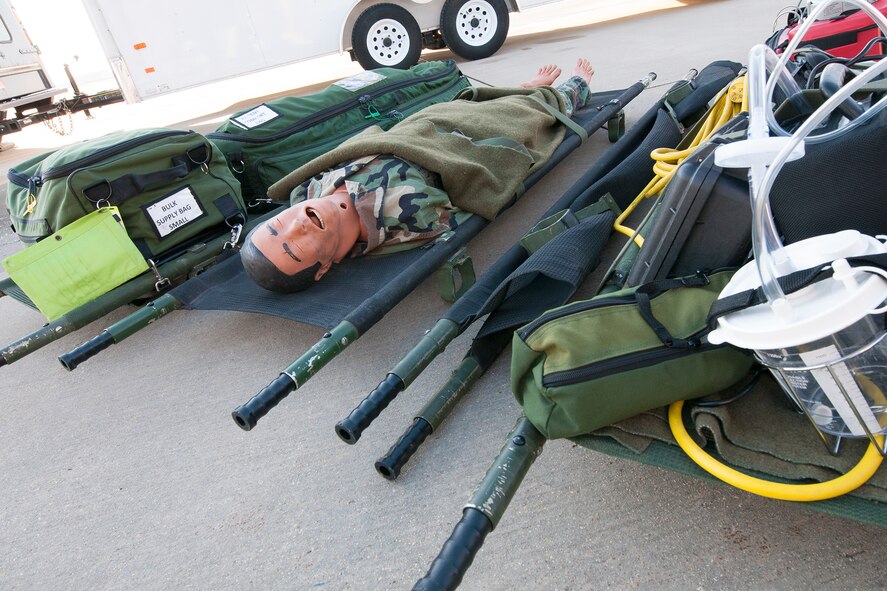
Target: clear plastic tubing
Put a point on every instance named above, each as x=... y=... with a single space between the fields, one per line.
x=768 y=249
x=779 y=66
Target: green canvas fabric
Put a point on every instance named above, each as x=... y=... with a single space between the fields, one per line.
x=141 y=172
x=761 y=432
x=266 y=142
x=587 y=337
x=451 y=139
x=80 y=262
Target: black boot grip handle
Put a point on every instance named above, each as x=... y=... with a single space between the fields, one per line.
x=248 y=414
x=457 y=553
x=352 y=427
x=87 y=350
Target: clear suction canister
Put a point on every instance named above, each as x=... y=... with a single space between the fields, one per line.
x=825 y=343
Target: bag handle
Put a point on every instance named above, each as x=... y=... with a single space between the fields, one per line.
x=130 y=185
x=647 y=291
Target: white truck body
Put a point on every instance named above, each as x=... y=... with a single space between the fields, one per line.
x=23 y=80
x=163 y=46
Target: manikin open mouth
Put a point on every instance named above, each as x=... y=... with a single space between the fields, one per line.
x=315 y=218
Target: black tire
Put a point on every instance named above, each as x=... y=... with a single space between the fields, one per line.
x=386 y=35
x=474 y=29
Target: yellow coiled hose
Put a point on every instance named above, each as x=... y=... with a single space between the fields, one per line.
x=666 y=160
x=819 y=491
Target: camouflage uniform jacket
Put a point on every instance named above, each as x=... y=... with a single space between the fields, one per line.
x=401 y=205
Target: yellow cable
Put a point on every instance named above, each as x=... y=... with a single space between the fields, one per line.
x=853 y=479
x=667 y=160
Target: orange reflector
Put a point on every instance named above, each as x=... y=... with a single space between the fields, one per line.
x=149 y=70
x=140 y=46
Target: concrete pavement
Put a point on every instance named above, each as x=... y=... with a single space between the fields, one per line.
x=129 y=473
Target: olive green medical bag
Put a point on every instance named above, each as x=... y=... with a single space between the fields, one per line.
x=171 y=187
x=266 y=142
x=595 y=362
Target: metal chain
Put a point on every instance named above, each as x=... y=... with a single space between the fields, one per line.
x=59 y=127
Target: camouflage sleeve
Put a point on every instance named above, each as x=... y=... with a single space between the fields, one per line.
x=402 y=205
x=575 y=92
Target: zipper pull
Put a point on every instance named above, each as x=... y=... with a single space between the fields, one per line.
x=31 y=200
x=396 y=115
x=367 y=101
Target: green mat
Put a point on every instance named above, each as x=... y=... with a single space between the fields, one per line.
x=760 y=434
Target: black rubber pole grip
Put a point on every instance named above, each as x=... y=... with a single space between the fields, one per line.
x=2 y=361
x=457 y=554
x=351 y=427
x=87 y=350
x=401 y=452
x=248 y=414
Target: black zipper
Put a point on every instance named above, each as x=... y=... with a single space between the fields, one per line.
x=573 y=309
x=623 y=363
x=339 y=138
x=330 y=112
x=591 y=304
x=65 y=170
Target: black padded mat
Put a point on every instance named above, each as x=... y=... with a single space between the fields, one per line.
x=349 y=286
x=227 y=287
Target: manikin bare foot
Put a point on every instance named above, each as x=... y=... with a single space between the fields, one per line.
x=545 y=76
x=583 y=69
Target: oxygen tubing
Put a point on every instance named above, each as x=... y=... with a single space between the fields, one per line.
x=819 y=491
x=667 y=160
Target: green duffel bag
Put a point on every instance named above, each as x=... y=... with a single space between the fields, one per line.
x=172 y=188
x=266 y=142
x=592 y=363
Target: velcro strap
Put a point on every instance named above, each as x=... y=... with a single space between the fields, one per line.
x=230 y=210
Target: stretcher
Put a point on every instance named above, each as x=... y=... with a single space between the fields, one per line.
x=751 y=427
x=353 y=296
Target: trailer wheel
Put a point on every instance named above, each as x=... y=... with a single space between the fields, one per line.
x=474 y=29
x=386 y=35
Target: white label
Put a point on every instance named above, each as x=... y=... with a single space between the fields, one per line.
x=173 y=212
x=359 y=81
x=255 y=117
x=832 y=390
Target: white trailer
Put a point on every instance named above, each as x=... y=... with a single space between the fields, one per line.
x=168 y=45
x=23 y=80
x=26 y=92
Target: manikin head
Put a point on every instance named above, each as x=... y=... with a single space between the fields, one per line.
x=295 y=248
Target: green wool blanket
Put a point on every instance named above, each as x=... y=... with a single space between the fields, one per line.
x=483 y=145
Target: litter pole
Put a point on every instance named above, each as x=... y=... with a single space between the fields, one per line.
x=482 y=513
x=247 y=415
x=196 y=256
x=120 y=330
x=404 y=373
x=429 y=418
x=481 y=355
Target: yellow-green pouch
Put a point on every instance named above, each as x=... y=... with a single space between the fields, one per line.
x=85 y=259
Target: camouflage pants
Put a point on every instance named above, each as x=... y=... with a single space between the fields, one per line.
x=575 y=92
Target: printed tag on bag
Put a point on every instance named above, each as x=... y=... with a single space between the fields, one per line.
x=256 y=117
x=174 y=211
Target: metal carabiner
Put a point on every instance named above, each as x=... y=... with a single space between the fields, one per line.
x=161 y=280
x=236 y=231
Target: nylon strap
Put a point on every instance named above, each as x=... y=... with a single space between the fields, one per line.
x=789 y=283
x=130 y=185
x=577 y=129
x=646 y=292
